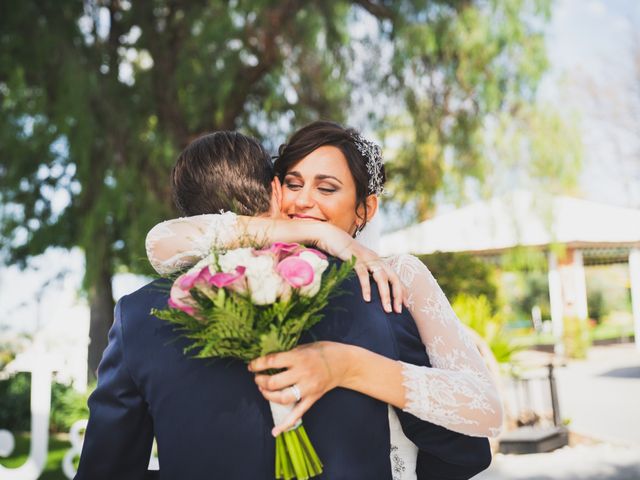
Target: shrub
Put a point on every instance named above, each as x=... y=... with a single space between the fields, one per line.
x=463 y=274
x=476 y=312
x=576 y=337
x=67 y=405
x=15 y=402
x=597 y=304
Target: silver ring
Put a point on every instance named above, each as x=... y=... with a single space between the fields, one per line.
x=375 y=268
x=296 y=392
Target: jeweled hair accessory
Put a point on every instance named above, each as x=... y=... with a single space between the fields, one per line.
x=372 y=153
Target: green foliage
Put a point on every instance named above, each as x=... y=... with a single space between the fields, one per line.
x=524 y=259
x=607 y=331
x=536 y=148
x=522 y=291
x=596 y=303
x=576 y=337
x=67 y=405
x=464 y=63
x=608 y=291
x=463 y=274
x=6 y=355
x=15 y=410
x=476 y=312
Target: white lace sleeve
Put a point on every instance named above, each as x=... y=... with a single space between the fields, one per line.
x=181 y=242
x=458 y=392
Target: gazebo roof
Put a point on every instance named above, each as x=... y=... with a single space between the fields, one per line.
x=519 y=219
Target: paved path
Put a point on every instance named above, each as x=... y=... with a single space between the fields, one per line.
x=601 y=398
x=583 y=462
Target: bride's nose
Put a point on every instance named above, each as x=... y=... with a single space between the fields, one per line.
x=304 y=200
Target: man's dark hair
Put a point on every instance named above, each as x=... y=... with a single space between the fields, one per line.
x=223 y=171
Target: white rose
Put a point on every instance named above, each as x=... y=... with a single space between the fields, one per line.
x=235 y=258
x=319 y=265
x=265 y=284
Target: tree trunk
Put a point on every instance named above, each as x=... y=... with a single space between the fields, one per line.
x=101 y=318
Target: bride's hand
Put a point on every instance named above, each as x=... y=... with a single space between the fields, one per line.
x=340 y=244
x=314 y=368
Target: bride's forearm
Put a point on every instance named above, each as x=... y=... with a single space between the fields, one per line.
x=181 y=242
x=373 y=375
x=263 y=230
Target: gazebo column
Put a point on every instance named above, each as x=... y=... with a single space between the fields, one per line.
x=555 y=301
x=634 y=273
x=567 y=292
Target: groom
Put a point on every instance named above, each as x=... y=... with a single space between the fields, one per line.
x=208 y=417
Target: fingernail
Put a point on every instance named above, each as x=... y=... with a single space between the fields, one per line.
x=367 y=298
x=387 y=307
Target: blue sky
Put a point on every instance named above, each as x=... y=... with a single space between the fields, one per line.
x=590 y=46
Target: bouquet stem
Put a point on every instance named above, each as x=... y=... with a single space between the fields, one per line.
x=295 y=456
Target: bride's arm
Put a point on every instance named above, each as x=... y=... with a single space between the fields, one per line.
x=458 y=392
x=178 y=243
x=181 y=242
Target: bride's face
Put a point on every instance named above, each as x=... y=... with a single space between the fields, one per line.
x=321 y=187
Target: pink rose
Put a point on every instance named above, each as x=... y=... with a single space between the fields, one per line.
x=296 y=271
x=180 y=298
x=279 y=249
x=189 y=280
x=222 y=279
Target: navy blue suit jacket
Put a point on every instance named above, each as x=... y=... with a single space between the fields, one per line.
x=210 y=421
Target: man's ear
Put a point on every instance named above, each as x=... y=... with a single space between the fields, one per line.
x=276 y=198
x=372 y=208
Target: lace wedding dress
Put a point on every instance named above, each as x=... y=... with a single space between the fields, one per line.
x=457 y=393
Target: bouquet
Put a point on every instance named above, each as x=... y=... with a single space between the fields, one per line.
x=246 y=303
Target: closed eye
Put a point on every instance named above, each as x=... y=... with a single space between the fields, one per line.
x=292 y=186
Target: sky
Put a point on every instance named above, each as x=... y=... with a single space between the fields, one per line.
x=590 y=45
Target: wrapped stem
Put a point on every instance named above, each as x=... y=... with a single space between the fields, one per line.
x=295 y=456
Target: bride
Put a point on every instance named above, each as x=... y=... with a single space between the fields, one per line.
x=328 y=179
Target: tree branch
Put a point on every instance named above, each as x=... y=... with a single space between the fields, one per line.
x=245 y=80
x=164 y=48
x=377 y=10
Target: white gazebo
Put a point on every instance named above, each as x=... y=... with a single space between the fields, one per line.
x=590 y=232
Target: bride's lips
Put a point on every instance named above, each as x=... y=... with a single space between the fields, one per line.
x=306 y=217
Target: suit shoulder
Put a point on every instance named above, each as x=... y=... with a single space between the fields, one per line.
x=139 y=303
x=153 y=289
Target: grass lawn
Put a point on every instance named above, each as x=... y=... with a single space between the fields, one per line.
x=528 y=338
x=58 y=447
x=610 y=332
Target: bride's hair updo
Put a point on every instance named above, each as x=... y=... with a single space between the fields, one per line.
x=363 y=157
